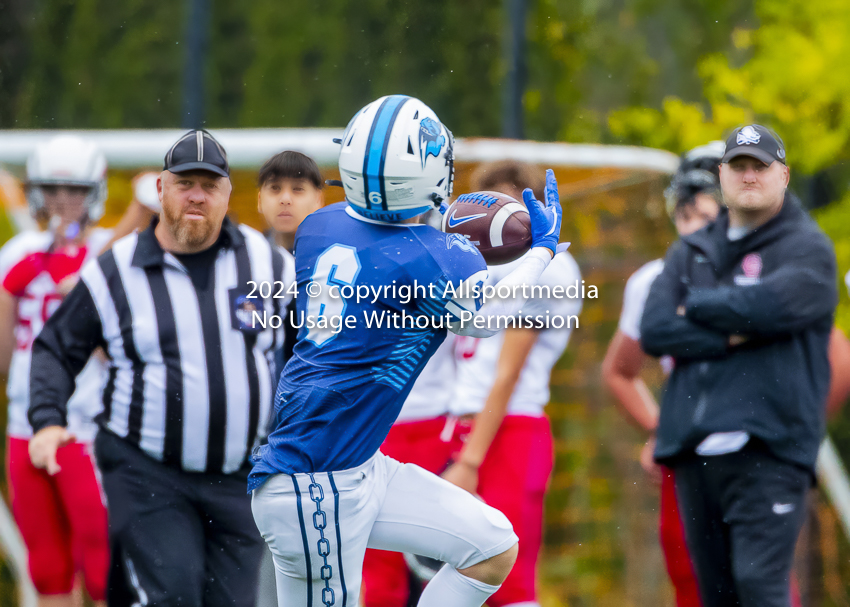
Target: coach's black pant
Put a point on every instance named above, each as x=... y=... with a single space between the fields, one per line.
x=177 y=538
x=742 y=513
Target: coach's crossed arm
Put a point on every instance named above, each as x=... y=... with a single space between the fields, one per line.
x=801 y=292
x=666 y=332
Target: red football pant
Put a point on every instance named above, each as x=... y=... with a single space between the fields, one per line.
x=672 y=537
x=513 y=479
x=61 y=518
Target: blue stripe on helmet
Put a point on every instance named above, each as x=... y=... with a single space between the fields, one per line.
x=376 y=148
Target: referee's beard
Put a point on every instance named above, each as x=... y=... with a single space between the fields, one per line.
x=190 y=233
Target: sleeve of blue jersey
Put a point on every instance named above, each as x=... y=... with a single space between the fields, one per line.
x=447 y=259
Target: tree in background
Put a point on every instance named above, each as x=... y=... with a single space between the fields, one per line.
x=101 y=64
x=589 y=58
x=793 y=79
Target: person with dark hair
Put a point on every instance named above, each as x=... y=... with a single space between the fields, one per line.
x=745 y=306
x=290 y=188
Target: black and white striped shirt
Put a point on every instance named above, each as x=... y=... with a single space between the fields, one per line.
x=190 y=383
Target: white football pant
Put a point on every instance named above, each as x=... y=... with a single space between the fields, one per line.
x=319 y=525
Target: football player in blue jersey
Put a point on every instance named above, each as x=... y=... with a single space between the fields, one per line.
x=376 y=294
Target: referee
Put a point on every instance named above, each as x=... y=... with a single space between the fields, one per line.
x=189 y=388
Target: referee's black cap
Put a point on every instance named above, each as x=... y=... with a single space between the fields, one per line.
x=757 y=141
x=197 y=151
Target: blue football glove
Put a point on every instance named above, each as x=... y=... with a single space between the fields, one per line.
x=545 y=218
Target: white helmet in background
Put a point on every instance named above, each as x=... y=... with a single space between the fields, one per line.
x=397 y=159
x=67 y=160
x=712 y=149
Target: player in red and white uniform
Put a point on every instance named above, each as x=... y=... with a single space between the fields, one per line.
x=508 y=454
x=61 y=515
x=693 y=201
x=461 y=380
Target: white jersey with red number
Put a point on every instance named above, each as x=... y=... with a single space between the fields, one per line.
x=432 y=392
x=31 y=275
x=476 y=359
x=634 y=301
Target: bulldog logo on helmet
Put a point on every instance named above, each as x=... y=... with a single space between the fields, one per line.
x=748 y=135
x=430 y=140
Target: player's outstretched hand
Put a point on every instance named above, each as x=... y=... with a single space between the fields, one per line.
x=462 y=475
x=44 y=444
x=545 y=218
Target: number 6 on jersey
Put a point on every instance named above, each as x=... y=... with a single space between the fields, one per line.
x=337 y=266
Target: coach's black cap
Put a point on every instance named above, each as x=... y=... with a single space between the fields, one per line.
x=197 y=151
x=757 y=141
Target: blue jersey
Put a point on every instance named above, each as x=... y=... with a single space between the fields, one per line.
x=349 y=376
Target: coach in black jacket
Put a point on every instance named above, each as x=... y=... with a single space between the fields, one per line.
x=745 y=307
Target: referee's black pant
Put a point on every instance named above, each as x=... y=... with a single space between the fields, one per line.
x=742 y=513
x=177 y=538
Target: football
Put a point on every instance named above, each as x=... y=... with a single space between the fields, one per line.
x=498 y=225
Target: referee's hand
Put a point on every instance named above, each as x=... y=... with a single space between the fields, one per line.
x=44 y=444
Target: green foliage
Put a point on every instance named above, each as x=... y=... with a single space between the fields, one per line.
x=100 y=64
x=590 y=57
x=793 y=80
x=315 y=64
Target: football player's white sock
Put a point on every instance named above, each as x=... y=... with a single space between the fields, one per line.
x=451 y=589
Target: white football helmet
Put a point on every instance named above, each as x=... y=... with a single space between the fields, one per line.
x=712 y=149
x=67 y=160
x=397 y=159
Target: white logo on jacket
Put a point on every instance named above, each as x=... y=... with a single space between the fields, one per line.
x=783 y=508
